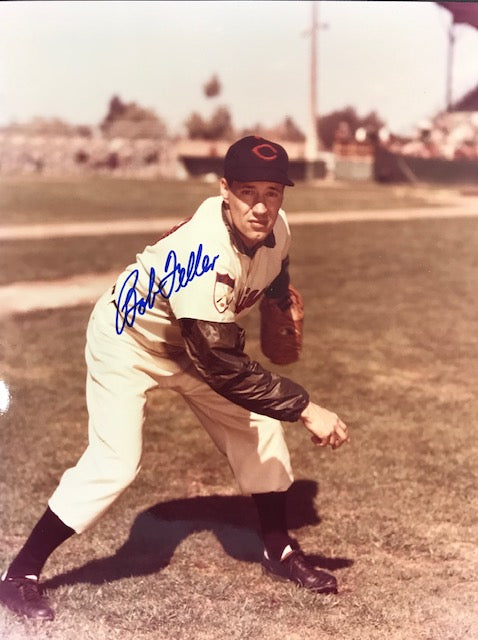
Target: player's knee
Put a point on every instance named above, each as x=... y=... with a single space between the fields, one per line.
x=271 y=434
x=124 y=472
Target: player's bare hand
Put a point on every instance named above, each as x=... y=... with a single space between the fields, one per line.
x=326 y=427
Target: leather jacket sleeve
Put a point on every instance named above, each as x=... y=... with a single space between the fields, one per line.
x=217 y=351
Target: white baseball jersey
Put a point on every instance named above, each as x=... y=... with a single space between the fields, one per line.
x=196 y=271
x=194 y=275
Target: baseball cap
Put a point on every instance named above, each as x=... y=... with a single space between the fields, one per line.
x=253 y=159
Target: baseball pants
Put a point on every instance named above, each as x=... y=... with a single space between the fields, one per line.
x=120 y=372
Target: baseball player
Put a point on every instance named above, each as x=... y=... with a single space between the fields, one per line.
x=171 y=321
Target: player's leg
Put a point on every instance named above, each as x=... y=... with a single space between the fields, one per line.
x=19 y=588
x=116 y=391
x=256 y=451
x=259 y=458
x=253 y=444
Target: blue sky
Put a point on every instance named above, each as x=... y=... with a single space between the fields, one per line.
x=67 y=59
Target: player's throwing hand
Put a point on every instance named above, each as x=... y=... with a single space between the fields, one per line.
x=326 y=427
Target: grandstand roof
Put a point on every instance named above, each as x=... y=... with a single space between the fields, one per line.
x=469 y=102
x=462 y=12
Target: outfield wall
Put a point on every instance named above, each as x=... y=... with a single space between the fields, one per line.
x=204 y=165
x=394 y=167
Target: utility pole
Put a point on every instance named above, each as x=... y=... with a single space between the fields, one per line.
x=449 y=65
x=312 y=141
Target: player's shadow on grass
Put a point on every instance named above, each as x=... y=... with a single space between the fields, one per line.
x=158 y=531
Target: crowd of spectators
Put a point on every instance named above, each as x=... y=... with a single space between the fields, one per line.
x=55 y=148
x=72 y=152
x=452 y=136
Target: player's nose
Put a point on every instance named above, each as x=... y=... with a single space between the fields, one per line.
x=259 y=208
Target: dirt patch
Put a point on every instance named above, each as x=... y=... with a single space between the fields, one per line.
x=22 y=297
x=465 y=207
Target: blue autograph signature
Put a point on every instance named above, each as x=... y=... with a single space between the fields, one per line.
x=177 y=277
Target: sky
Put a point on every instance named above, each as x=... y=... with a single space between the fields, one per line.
x=67 y=59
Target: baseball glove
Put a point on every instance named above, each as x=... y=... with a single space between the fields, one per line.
x=282 y=327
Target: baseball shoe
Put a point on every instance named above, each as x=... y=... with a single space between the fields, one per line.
x=297 y=568
x=23 y=595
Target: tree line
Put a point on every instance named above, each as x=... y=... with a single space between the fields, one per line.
x=132 y=121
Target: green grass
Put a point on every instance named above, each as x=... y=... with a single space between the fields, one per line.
x=30 y=200
x=37 y=200
x=30 y=260
x=56 y=200
x=391 y=345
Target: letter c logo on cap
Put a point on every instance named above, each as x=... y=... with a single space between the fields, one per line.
x=265 y=152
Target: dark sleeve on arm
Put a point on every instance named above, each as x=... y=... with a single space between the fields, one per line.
x=279 y=287
x=217 y=351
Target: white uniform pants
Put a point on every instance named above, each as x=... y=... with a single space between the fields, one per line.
x=120 y=372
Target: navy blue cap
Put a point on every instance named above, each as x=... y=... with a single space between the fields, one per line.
x=255 y=159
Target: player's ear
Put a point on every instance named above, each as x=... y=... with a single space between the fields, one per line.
x=224 y=189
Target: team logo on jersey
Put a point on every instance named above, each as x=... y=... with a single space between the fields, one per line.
x=248 y=298
x=223 y=291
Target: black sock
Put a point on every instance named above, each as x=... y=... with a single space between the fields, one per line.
x=46 y=536
x=271 y=508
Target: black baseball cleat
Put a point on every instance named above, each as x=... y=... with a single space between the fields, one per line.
x=23 y=595
x=297 y=568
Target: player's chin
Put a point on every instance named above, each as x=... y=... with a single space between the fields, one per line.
x=259 y=231
x=256 y=238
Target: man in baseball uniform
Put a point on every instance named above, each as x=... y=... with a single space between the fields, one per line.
x=171 y=321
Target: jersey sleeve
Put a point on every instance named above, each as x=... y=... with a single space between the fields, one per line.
x=217 y=352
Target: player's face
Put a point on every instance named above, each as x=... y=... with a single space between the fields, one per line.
x=253 y=208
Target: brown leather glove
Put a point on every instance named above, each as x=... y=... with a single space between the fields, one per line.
x=282 y=327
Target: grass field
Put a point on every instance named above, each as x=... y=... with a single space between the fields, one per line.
x=391 y=345
x=32 y=200
x=35 y=200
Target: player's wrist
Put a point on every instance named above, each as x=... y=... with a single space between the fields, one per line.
x=307 y=411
